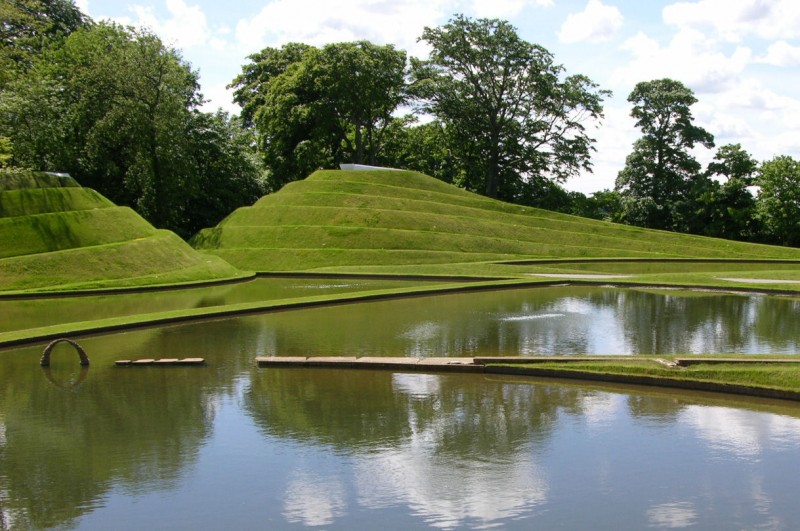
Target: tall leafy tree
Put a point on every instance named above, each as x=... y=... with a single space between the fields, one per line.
x=28 y=26
x=316 y=107
x=513 y=115
x=109 y=107
x=226 y=173
x=116 y=109
x=659 y=171
x=724 y=206
x=778 y=203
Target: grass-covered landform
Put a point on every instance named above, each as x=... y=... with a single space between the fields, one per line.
x=57 y=235
x=402 y=222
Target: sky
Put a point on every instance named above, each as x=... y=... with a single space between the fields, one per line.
x=740 y=57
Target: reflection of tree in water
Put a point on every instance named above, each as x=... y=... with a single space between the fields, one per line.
x=456 y=450
x=777 y=318
x=355 y=410
x=63 y=449
x=464 y=324
x=666 y=323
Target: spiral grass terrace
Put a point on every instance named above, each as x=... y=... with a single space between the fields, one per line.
x=58 y=236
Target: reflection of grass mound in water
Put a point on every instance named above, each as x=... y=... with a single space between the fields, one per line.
x=395 y=218
x=57 y=235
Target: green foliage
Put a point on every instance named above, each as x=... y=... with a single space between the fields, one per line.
x=27 y=27
x=317 y=107
x=510 y=113
x=6 y=151
x=778 y=203
x=659 y=172
x=115 y=108
x=424 y=148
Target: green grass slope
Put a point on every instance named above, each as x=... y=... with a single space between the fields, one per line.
x=56 y=235
x=396 y=220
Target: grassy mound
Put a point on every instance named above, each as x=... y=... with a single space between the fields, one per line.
x=391 y=220
x=59 y=236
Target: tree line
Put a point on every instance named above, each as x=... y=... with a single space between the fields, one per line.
x=486 y=110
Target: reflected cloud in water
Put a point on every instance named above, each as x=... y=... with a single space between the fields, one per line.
x=446 y=490
x=739 y=432
x=675 y=515
x=312 y=500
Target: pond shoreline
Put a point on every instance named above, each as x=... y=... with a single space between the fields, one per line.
x=146 y=320
x=527 y=367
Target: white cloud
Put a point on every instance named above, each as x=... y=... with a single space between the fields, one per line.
x=615 y=140
x=781 y=53
x=312 y=22
x=83 y=5
x=690 y=57
x=734 y=19
x=504 y=8
x=597 y=22
x=186 y=26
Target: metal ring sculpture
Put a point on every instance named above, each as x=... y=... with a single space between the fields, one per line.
x=45 y=361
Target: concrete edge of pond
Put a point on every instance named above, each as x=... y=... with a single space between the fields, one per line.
x=526 y=367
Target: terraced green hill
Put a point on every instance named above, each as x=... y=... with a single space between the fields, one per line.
x=57 y=235
x=396 y=221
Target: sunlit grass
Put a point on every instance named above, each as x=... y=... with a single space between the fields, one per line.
x=399 y=222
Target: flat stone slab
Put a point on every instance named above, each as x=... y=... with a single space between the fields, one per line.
x=579 y=276
x=760 y=280
x=372 y=362
x=163 y=362
x=483 y=360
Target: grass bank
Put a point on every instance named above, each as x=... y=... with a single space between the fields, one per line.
x=746 y=375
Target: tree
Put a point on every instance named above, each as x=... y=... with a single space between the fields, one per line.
x=225 y=169
x=727 y=209
x=251 y=86
x=420 y=147
x=116 y=109
x=28 y=26
x=512 y=115
x=109 y=107
x=317 y=107
x=778 y=202
x=659 y=171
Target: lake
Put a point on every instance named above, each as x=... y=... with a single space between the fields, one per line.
x=229 y=445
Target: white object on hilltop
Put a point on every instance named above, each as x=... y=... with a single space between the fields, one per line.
x=364 y=167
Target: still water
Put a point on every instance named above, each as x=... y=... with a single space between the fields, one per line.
x=232 y=446
x=21 y=314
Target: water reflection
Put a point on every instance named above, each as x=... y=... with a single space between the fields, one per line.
x=537 y=321
x=510 y=453
x=33 y=313
x=230 y=445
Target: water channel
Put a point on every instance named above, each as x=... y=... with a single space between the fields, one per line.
x=232 y=446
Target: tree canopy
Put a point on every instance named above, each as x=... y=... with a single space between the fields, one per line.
x=779 y=200
x=660 y=169
x=28 y=26
x=513 y=115
x=116 y=109
x=315 y=107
